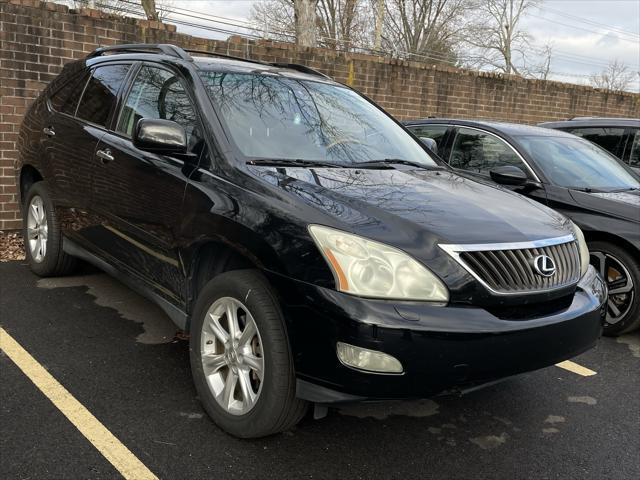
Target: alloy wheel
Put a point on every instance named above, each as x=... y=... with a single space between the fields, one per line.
x=619 y=282
x=37 y=230
x=232 y=357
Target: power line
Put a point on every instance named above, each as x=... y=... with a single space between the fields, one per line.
x=591 y=22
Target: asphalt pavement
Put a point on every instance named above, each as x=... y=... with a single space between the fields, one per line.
x=119 y=356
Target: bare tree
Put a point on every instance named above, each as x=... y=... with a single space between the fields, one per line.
x=431 y=28
x=615 y=77
x=150 y=10
x=498 y=35
x=340 y=24
x=305 y=21
x=377 y=36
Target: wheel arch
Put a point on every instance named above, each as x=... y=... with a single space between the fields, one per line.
x=600 y=236
x=210 y=258
x=28 y=176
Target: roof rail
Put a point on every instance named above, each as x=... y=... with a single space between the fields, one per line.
x=222 y=55
x=164 y=48
x=301 y=68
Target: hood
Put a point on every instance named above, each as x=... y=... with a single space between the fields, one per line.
x=410 y=207
x=617 y=204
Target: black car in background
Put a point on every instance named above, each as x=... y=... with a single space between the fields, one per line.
x=620 y=136
x=313 y=249
x=573 y=176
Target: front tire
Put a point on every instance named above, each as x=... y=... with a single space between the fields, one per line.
x=621 y=272
x=240 y=357
x=43 y=236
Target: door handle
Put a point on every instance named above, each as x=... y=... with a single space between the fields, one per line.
x=49 y=131
x=105 y=156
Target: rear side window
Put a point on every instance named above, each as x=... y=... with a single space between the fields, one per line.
x=480 y=152
x=611 y=139
x=65 y=100
x=100 y=93
x=634 y=158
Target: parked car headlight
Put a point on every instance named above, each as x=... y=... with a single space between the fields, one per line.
x=583 y=248
x=371 y=269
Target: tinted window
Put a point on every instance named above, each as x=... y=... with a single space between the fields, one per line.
x=574 y=163
x=65 y=100
x=634 y=157
x=158 y=93
x=479 y=152
x=435 y=132
x=278 y=117
x=100 y=93
x=611 y=139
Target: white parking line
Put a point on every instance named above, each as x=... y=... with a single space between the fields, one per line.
x=575 y=368
x=100 y=437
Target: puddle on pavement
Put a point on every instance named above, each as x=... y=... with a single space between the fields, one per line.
x=490 y=442
x=107 y=292
x=632 y=341
x=383 y=410
x=586 y=400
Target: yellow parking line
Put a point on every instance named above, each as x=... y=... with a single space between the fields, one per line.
x=575 y=368
x=101 y=438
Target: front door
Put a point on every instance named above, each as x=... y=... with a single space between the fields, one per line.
x=138 y=195
x=477 y=152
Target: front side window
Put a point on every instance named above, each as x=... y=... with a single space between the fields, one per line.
x=100 y=93
x=574 y=163
x=65 y=100
x=158 y=93
x=611 y=139
x=276 y=117
x=479 y=152
x=434 y=132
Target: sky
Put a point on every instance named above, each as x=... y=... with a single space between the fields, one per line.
x=585 y=34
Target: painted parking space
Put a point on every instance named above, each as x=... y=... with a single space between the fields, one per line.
x=116 y=355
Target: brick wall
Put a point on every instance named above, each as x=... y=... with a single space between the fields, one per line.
x=37 y=38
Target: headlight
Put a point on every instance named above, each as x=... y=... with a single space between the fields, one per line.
x=371 y=269
x=582 y=247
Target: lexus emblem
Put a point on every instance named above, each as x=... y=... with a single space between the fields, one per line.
x=544 y=265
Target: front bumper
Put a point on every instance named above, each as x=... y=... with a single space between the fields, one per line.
x=441 y=348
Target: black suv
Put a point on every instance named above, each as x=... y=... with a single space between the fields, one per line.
x=313 y=248
x=620 y=136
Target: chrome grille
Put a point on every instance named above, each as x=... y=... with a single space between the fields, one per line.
x=509 y=268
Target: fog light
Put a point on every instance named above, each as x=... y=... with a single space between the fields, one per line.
x=365 y=359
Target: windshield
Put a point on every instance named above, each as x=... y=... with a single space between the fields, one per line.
x=576 y=163
x=275 y=117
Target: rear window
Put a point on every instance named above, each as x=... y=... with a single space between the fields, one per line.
x=65 y=99
x=100 y=93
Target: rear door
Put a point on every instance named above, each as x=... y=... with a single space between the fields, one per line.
x=79 y=112
x=138 y=195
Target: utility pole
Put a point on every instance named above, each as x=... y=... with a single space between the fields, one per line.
x=377 y=44
x=305 y=17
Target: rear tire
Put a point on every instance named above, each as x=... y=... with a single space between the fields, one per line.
x=43 y=236
x=271 y=405
x=621 y=271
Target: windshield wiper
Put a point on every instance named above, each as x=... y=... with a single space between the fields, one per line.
x=297 y=162
x=389 y=162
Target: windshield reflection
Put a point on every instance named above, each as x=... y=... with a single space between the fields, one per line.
x=275 y=117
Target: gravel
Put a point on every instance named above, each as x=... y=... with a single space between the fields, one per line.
x=11 y=246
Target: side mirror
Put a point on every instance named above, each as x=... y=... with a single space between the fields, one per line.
x=508 y=175
x=164 y=137
x=430 y=143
